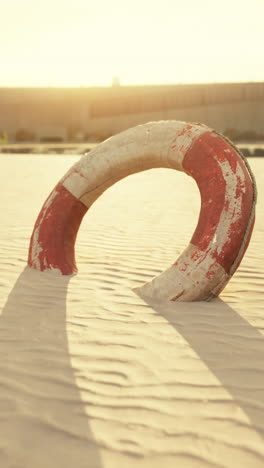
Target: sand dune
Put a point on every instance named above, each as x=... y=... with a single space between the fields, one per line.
x=94 y=377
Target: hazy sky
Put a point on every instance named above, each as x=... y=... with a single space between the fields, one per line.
x=87 y=42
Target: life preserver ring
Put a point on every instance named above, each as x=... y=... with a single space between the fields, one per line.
x=226 y=218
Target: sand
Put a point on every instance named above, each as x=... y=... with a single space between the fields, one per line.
x=94 y=377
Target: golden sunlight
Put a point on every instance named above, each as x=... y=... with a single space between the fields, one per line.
x=66 y=44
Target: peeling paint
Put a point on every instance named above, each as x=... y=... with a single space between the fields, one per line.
x=226 y=191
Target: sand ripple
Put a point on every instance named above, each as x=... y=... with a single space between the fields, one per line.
x=92 y=376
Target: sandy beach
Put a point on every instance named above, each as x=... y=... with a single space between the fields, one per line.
x=94 y=377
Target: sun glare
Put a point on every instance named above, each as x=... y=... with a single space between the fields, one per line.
x=78 y=44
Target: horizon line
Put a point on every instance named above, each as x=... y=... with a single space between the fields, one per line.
x=137 y=85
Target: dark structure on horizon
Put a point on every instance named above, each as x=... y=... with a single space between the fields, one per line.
x=87 y=114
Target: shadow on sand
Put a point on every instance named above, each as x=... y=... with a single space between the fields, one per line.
x=229 y=346
x=43 y=420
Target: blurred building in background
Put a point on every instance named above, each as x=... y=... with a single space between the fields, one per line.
x=93 y=114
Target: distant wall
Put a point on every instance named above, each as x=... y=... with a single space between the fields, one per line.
x=96 y=113
x=222 y=117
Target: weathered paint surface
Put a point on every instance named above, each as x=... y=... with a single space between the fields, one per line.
x=226 y=197
x=226 y=190
x=187 y=279
x=203 y=269
x=54 y=235
x=155 y=144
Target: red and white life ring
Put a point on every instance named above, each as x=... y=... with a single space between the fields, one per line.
x=226 y=217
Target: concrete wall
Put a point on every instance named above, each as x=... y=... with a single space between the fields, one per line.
x=101 y=112
x=241 y=116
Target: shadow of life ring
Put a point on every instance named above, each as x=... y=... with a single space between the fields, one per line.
x=228 y=197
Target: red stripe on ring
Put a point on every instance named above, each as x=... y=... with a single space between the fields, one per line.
x=203 y=162
x=58 y=224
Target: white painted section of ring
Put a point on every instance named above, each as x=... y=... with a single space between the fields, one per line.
x=36 y=247
x=75 y=183
x=183 y=142
x=188 y=280
x=155 y=144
